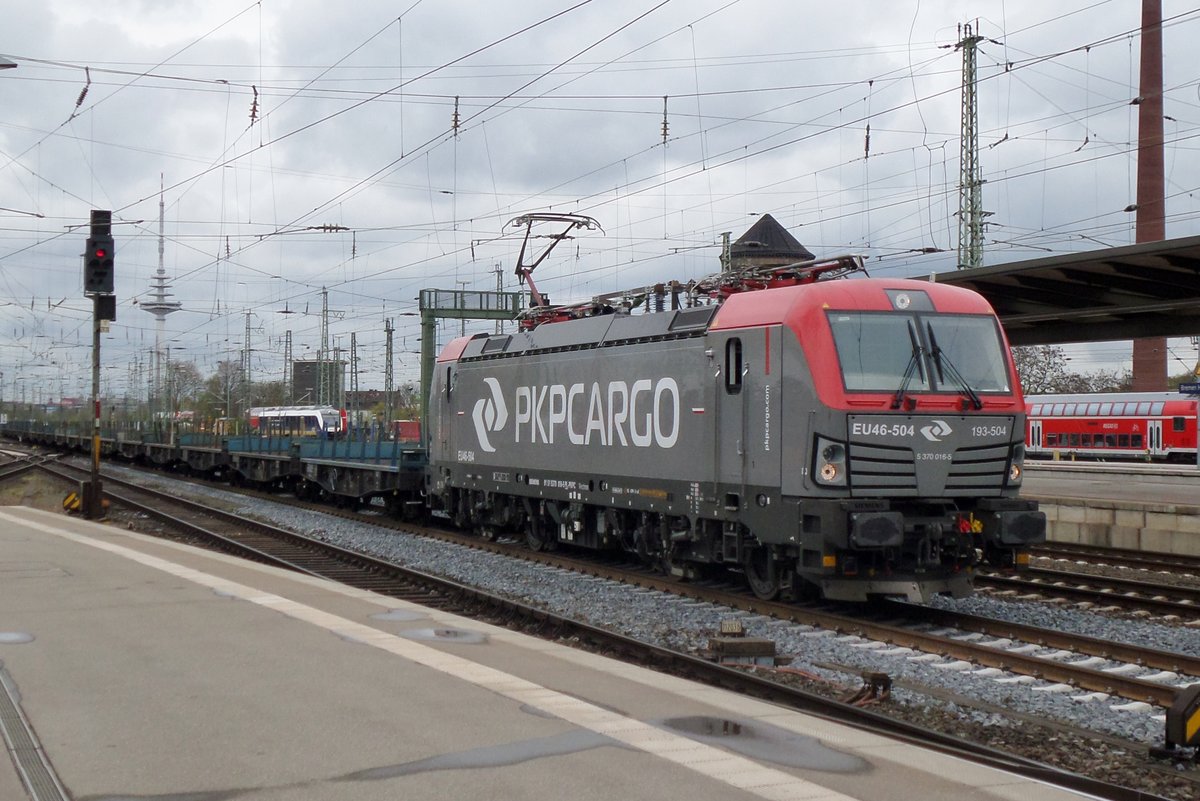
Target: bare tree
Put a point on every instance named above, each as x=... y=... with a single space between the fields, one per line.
x=185 y=384
x=1041 y=368
x=223 y=390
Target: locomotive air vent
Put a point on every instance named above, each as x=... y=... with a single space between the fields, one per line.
x=878 y=470
x=496 y=344
x=692 y=318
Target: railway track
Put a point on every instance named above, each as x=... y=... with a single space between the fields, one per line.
x=1118 y=557
x=1105 y=591
x=261 y=542
x=17 y=463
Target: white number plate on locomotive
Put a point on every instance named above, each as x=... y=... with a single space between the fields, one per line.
x=950 y=429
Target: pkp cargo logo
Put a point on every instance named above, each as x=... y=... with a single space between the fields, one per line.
x=936 y=430
x=490 y=414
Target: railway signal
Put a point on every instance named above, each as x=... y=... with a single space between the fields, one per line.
x=98 y=267
x=98 y=270
x=98 y=284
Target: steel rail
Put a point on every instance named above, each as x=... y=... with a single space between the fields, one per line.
x=1150 y=560
x=1075 y=586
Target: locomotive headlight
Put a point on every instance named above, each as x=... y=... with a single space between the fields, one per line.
x=830 y=468
x=1016 y=466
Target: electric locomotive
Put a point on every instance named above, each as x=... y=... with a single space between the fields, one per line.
x=848 y=438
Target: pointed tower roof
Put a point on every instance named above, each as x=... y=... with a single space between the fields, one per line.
x=768 y=239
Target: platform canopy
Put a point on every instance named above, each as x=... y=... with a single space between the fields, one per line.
x=1146 y=290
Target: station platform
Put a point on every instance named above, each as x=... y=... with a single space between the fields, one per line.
x=152 y=670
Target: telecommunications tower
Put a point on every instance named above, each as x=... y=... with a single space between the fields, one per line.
x=157 y=302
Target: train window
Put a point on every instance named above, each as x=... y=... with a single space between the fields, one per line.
x=1051 y=440
x=1143 y=407
x=1035 y=410
x=972 y=346
x=1178 y=423
x=1105 y=409
x=1057 y=410
x=1137 y=440
x=1110 y=440
x=1123 y=440
x=875 y=351
x=1069 y=409
x=1099 y=442
x=1085 y=440
x=1118 y=408
x=1093 y=409
x=1074 y=440
x=733 y=366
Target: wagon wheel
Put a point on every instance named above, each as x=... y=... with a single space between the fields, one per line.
x=762 y=573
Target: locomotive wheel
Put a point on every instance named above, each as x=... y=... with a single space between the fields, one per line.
x=534 y=537
x=761 y=574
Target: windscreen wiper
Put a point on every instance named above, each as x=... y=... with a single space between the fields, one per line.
x=914 y=367
x=944 y=365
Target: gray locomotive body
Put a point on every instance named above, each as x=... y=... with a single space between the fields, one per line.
x=803 y=435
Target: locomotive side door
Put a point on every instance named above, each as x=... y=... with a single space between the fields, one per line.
x=730 y=437
x=440 y=403
x=748 y=442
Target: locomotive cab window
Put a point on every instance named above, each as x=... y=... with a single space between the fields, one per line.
x=733 y=366
x=879 y=351
x=923 y=351
x=1178 y=423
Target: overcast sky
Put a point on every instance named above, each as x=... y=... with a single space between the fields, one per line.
x=308 y=144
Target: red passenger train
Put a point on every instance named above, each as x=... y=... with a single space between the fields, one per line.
x=1157 y=426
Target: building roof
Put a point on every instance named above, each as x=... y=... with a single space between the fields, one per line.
x=768 y=239
x=1144 y=290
